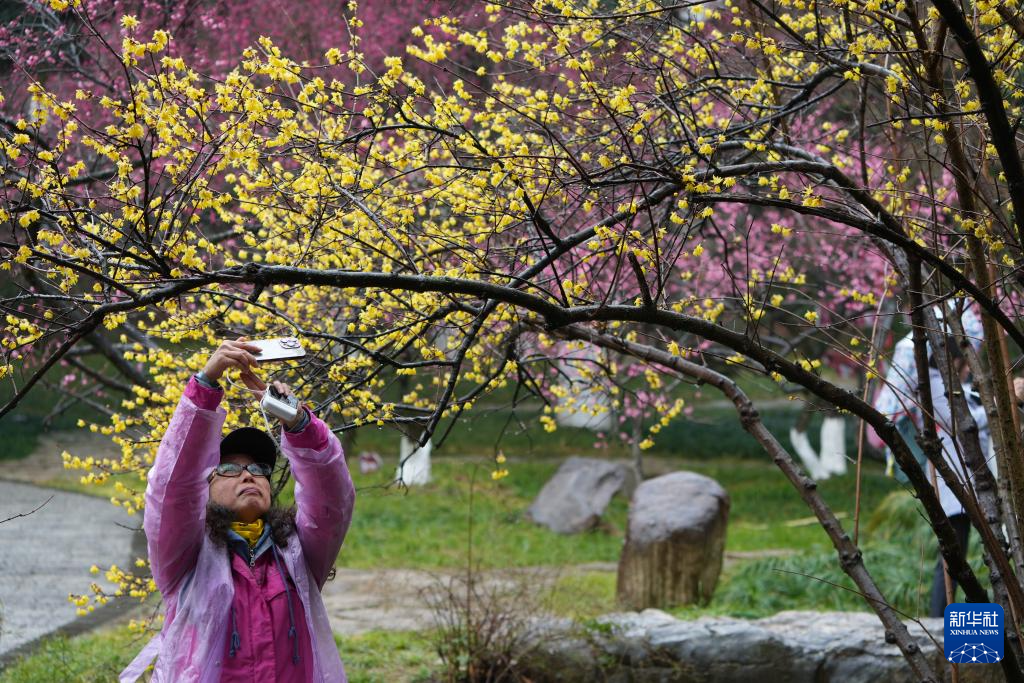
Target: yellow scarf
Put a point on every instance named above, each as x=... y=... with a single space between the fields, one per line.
x=250 y=532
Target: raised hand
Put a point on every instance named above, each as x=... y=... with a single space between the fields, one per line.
x=237 y=354
x=284 y=389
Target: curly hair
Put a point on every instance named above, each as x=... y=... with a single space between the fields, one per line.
x=280 y=520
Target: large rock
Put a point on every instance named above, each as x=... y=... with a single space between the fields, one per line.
x=796 y=647
x=674 y=542
x=575 y=498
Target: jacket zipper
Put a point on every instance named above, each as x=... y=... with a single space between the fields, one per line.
x=252 y=557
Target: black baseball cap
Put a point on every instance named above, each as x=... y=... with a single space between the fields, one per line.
x=255 y=443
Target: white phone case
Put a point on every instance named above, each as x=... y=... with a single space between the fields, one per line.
x=278 y=348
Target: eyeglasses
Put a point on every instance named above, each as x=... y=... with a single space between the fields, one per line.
x=233 y=469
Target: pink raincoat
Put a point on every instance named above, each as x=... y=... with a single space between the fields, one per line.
x=194 y=575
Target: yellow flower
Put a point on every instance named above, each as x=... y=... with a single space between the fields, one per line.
x=28 y=218
x=129 y=21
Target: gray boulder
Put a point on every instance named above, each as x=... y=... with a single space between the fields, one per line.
x=816 y=647
x=674 y=542
x=574 y=499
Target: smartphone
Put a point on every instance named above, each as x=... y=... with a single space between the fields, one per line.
x=279 y=348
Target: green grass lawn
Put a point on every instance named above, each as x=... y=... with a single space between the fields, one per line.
x=436 y=527
x=897 y=550
x=97 y=656
x=428 y=526
x=100 y=656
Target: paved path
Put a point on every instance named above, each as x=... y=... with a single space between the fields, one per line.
x=47 y=554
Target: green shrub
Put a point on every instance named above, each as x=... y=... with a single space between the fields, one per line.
x=713 y=433
x=899 y=551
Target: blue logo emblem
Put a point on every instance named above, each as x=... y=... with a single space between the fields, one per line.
x=974 y=633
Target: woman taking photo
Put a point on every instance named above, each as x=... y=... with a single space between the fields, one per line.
x=241 y=578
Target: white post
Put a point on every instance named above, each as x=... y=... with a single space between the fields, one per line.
x=832 y=456
x=807 y=454
x=414 y=465
x=833 y=445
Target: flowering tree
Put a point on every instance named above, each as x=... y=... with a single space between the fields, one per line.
x=696 y=190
